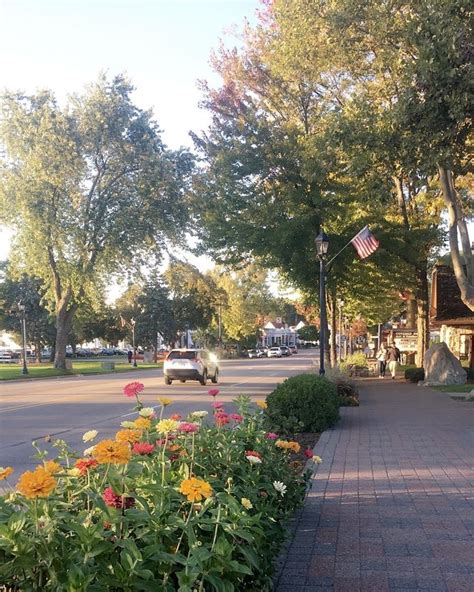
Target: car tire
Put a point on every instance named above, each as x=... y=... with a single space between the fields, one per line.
x=168 y=380
x=203 y=378
x=183 y=381
x=215 y=378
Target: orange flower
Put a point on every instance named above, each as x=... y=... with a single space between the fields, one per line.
x=5 y=472
x=142 y=423
x=195 y=489
x=38 y=483
x=130 y=436
x=52 y=467
x=110 y=452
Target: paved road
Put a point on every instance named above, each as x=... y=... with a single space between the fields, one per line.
x=67 y=407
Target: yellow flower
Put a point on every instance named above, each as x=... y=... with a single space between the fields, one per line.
x=294 y=446
x=261 y=404
x=5 y=472
x=38 y=483
x=52 y=467
x=247 y=504
x=195 y=489
x=317 y=459
x=165 y=401
x=90 y=435
x=165 y=426
x=142 y=423
x=74 y=472
x=110 y=452
x=129 y=436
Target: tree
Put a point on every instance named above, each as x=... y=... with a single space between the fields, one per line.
x=89 y=188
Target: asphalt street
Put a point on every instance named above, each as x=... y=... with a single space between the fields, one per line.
x=67 y=407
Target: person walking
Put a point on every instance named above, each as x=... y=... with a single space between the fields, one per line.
x=393 y=358
x=382 y=360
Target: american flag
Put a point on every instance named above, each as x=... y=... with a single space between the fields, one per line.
x=365 y=243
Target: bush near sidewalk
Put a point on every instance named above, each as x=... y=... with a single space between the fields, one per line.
x=168 y=504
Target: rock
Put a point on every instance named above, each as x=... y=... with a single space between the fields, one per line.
x=442 y=367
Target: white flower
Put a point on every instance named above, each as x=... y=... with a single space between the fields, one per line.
x=198 y=414
x=90 y=435
x=279 y=487
x=128 y=424
x=317 y=459
x=89 y=451
x=146 y=411
x=254 y=460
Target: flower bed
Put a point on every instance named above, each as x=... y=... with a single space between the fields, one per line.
x=169 y=504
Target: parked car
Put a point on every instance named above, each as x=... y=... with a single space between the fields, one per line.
x=294 y=349
x=285 y=350
x=191 y=364
x=254 y=353
x=274 y=352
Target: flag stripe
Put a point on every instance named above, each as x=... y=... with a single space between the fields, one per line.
x=365 y=243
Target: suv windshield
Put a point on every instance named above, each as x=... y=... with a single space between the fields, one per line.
x=182 y=355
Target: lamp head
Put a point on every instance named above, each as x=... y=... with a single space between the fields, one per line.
x=322 y=244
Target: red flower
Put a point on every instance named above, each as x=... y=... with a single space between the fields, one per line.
x=132 y=389
x=188 y=427
x=236 y=417
x=117 y=501
x=176 y=417
x=253 y=453
x=213 y=392
x=221 y=419
x=143 y=448
x=84 y=464
x=308 y=453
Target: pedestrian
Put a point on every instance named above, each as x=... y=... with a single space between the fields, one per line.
x=382 y=360
x=130 y=356
x=393 y=358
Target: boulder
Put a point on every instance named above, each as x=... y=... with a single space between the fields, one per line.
x=442 y=367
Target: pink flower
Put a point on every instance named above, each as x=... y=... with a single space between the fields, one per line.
x=221 y=419
x=188 y=427
x=236 y=417
x=217 y=405
x=143 y=448
x=176 y=417
x=271 y=436
x=308 y=453
x=213 y=392
x=117 y=501
x=132 y=389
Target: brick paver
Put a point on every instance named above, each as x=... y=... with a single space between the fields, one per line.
x=391 y=508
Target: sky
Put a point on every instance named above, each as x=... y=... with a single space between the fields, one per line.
x=162 y=45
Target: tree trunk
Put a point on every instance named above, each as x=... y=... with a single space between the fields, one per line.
x=38 y=351
x=422 y=321
x=333 y=325
x=463 y=269
x=64 y=317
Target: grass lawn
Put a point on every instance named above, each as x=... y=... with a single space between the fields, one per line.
x=456 y=388
x=13 y=371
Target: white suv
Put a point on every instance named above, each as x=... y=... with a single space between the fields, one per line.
x=191 y=364
x=274 y=352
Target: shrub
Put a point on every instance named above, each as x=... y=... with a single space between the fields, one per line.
x=358 y=359
x=303 y=403
x=414 y=374
x=167 y=505
x=347 y=392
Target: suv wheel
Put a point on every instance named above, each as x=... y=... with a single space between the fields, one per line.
x=168 y=380
x=203 y=379
x=215 y=378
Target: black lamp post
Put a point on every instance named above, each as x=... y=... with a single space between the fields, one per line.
x=22 y=309
x=132 y=323
x=322 y=244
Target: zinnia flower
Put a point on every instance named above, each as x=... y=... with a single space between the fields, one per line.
x=38 y=483
x=279 y=487
x=198 y=414
x=146 y=412
x=129 y=436
x=5 y=472
x=127 y=424
x=261 y=404
x=317 y=459
x=143 y=448
x=74 y=472
x=52 y=467
x=90 y=435
x=247 y=504
x=175 y=416
x=271 y=436
x=187 y=427
x=217 y=404
x=221 y=419
x=165 y=426
x=142 y=423
x=195 y=489
x=89 y=451
x=213 y=392
x=253 y=457
x=132 y=389
x=84 y=464
x=308 y=453
x=165 y=401
x=117 y=501
x=110 y=452
x=236 y=417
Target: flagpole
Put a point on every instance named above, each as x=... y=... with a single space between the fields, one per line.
x=345 y=246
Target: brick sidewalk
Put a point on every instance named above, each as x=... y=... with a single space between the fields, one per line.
x=392 y=505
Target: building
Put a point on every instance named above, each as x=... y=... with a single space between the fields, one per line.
x=279 y=333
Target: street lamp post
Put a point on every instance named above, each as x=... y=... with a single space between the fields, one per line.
x=322 y=244
x=219 y=325
x=341 y=305
x=132 y=323
x=22 y=309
